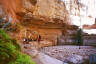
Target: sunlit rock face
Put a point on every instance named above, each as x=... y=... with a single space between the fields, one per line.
x=39 y=8
x=81 y=11
x=46 y=9
x=43 y=17
x=1 y=11
x=10 y=7
x=51 y=9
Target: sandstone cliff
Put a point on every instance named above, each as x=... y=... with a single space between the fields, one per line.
x=37 y=17
x=44 y=9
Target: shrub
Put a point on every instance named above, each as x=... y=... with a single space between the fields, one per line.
x=10 y=51
x=22 y=59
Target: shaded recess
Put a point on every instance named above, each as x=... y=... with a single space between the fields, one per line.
x=33 y=2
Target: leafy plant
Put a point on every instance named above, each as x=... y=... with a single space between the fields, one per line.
x=10 y=51
x=22 y=59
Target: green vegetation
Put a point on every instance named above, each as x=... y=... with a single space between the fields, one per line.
x=10 y=51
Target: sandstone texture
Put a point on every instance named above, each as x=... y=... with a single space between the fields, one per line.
x=44 y=9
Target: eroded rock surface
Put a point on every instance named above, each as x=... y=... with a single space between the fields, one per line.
x=44 y=9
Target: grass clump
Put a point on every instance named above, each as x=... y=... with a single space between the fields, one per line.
x=10 y=51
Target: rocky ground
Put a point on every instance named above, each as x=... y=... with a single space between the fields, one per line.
x=58 y=54
x=38 y=57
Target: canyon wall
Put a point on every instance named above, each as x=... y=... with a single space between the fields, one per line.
x=45 y=9
x=35 y=17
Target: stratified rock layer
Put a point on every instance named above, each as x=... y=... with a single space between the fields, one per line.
x=45 y=9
